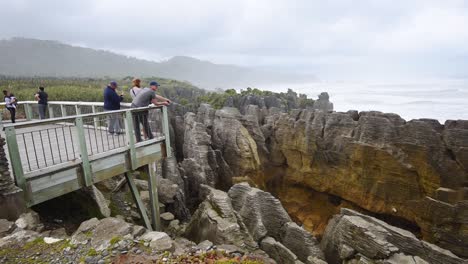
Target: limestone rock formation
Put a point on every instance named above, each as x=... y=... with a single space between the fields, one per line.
x=248 y=217
x=411 y=173
x=238 y=148
x=323 y=103
x=202 y=164
x=352 y=237
x=215 y=220
x=373 y=161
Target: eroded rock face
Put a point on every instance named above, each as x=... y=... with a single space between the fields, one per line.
x=380 y=163
x=248 y=217
x=202 y=164
x=316 y=162
x=352 y=237
x=215 y=220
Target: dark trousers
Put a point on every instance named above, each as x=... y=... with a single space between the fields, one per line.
x=12 y=114
x=141 y=118
x=42 y=110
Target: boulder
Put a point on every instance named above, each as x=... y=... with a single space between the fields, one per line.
x=19 y=237
x=142 y=185
x=29 y=221
x=215 y=220
x=351 y=236
x=99 y=233
x=278 y=251
x=262 y=214
x=300 y=242
x=6 y=227
x=158 y=241
x=167 y=190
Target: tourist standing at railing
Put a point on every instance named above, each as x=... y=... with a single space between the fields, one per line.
x=111 y=103
x=144 y=98
x=136 y=88
x=10 y=104
x=42 y=98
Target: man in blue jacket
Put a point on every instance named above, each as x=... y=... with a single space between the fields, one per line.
x=112 y=102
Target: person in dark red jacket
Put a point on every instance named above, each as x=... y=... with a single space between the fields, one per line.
x=111 y=103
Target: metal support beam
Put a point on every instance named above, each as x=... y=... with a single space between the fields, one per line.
x=138 y=202
x=154 y=202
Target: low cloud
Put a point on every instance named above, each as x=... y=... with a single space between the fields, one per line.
x=338 y=38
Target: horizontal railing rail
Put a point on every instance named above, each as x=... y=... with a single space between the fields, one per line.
x=28 y=110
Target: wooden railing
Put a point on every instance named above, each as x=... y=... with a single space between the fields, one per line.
x=55 y=156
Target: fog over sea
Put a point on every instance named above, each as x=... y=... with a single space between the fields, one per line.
x=437 y=99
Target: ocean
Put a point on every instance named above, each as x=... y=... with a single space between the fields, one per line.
x=440 y=99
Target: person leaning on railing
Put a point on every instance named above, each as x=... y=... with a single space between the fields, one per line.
x=144 y=98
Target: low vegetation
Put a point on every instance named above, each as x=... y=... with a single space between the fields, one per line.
x=91 y=90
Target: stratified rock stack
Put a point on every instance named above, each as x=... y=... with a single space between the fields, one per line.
x=250 y=218
x=352 y=237
x=411 y=173
x=412 y=170
x=323 y=103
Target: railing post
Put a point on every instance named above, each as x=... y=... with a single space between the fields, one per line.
x=130 y=133
x=63 y=109
x=1 y=117
x=51 y=111
x=28 y=111
x=88 y=178
x=165 y=126
x=96 y=120
x=15 y=160
x=78 y=109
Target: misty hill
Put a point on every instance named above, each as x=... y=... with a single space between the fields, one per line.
x=32 y=57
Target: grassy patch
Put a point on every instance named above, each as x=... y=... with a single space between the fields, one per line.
x=115 y=240
x=92 y=252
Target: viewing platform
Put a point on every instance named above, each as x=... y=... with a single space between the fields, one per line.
x=74 y=148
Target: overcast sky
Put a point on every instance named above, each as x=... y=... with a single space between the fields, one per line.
x=334 y=39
